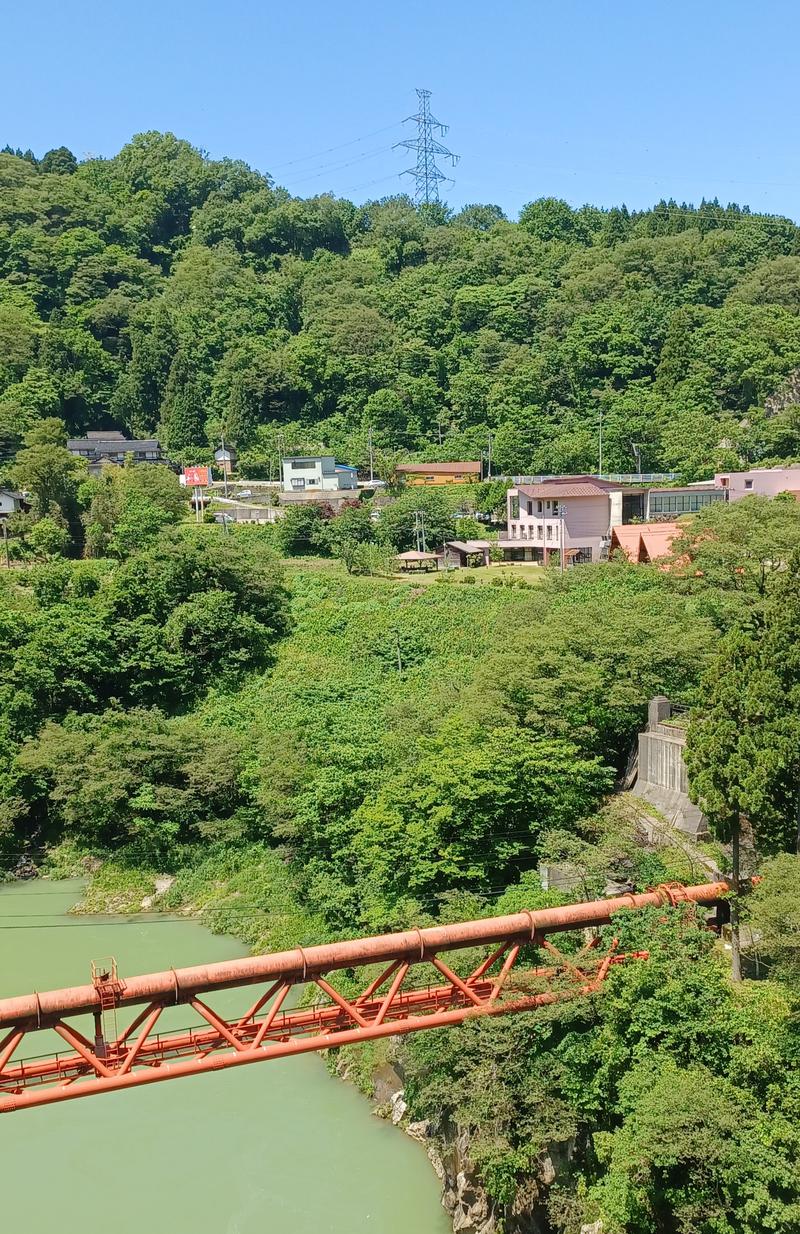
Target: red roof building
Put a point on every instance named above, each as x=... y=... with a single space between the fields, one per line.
x=645 y=542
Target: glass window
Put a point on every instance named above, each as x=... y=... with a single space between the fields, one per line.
x=515 y=506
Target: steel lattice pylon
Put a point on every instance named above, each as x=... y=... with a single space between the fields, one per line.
x=412 y=990
x=426 y=173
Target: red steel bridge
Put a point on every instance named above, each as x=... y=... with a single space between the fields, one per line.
x=413 y=989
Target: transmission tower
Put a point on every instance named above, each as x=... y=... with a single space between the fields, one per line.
x=426 y=173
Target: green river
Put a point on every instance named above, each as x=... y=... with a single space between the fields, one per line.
x=275 y=1149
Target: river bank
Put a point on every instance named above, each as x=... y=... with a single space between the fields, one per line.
x=226 y=892
x=284 y=1147
x=220 y=893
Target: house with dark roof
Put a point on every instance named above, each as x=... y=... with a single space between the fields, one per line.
x=10 y=502
x=101 y=446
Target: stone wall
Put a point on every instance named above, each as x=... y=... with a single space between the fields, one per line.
x=661 y=777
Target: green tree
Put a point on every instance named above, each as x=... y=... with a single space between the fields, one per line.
x=48 y=539
x=60 y=161
x=773 y=914
x=743 y=743
x=182 y=411
x=130 y=505
x=398 y=520
x=47 y=470
x=304 y=531
x=741 y=546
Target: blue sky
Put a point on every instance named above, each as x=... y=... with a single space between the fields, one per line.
x=603 y=102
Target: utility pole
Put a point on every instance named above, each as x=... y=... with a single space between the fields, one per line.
x=224 y=467
x=419 y=531
x=371 y=460
x=5 y=544
x=600 y=459
x=562 y=510
x=426 y=174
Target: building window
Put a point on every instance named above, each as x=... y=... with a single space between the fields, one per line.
x=302 y=464
x=298 y=482
x=681 y=503
x=583 y=555
x=748 y=483
x=539 y=507
x=515 y=506
x=549 y=532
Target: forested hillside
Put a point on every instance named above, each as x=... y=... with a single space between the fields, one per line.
x=162 y=292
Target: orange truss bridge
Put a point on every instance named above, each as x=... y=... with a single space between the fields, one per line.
x=406 y=986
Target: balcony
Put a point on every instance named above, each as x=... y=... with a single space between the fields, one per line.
x=544 y=532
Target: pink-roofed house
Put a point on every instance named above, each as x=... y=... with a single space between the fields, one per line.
x=569 y=514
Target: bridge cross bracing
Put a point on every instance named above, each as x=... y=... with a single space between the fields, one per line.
x=406 y=986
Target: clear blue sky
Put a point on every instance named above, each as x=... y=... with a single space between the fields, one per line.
x=603 y=102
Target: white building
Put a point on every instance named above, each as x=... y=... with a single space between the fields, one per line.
x=317 y=475
x=569 y=514
x=10 y=502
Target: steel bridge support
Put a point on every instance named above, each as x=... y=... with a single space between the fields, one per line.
x=406 y=987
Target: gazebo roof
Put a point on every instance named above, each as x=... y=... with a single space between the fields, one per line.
x=415 y=555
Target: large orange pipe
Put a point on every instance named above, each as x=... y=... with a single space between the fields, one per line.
x=33 y=1011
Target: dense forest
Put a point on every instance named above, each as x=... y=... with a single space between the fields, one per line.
x=162 y=292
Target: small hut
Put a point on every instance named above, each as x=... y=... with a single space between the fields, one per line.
x=469 y=552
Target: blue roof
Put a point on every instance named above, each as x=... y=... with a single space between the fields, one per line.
x=345 y=467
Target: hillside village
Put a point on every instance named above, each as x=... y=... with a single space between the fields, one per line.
x=569 y=519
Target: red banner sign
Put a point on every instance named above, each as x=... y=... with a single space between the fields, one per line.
x=196 y=477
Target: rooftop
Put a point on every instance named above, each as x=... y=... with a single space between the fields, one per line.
x=469 y=546
x=443 y=468
x=111 y=442
x=570 y=486
x=645 y=541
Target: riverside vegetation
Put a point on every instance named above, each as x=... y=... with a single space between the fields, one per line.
x=312 y=753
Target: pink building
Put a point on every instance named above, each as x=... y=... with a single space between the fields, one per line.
x=573 y=514
x=763 y=481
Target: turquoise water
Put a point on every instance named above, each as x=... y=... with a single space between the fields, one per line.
x=278 y=1148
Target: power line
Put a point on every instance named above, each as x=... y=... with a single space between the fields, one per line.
x=342 y=146
x=328 y=168
x=426 y=173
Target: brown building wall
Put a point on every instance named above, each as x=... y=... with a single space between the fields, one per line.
x=430 y=479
